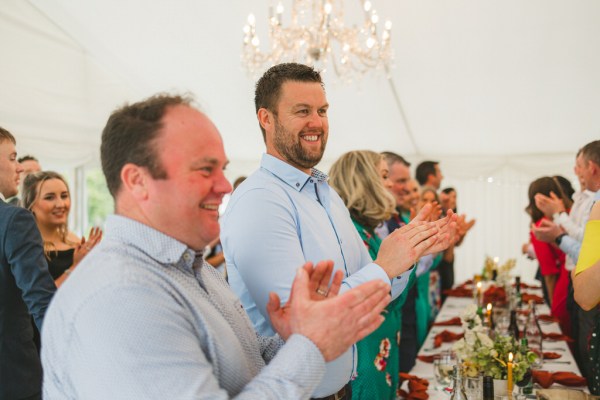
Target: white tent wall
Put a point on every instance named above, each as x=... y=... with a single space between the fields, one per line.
x=507 y=90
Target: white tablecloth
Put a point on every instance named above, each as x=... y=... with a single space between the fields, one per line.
x=452 y=308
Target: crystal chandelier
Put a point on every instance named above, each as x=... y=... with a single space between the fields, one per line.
x=317 y=36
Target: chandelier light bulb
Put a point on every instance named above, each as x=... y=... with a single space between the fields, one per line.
x=255 y=41
x=374 y=17
x=328 y=7
x=367 y=6
x=279 y=9
x=246 y=29
x=251 y=19
x=388 y=25
x=370 y=42
x=346 y=47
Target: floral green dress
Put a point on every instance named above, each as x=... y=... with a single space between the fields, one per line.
x=378 y=362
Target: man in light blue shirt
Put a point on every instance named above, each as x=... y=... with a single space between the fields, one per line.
x=145 y=317
x=285 y=213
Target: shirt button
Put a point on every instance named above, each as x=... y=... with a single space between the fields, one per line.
x=312 y=181
x=187 y=257
x=297 y=184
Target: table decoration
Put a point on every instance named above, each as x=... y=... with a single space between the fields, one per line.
x=449 y=322
x=480 y=353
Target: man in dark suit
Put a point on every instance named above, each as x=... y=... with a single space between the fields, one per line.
x=26 y=286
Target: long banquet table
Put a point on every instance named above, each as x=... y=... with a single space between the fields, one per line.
x=452 y=307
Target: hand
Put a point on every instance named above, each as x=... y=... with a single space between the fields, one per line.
x=549 y=205
x=447 y=233
x=403 y=247
x=332 y=324
x=85 y=246
x=547 y=232
x=318 y=289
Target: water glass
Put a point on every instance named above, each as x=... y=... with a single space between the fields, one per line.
x=473 y=387
x=443 y=364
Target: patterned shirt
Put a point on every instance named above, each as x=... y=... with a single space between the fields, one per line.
x=139 y=318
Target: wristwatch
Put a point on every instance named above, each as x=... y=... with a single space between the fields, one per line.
x=559 y=238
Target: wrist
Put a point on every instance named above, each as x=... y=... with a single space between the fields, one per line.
x=559 y=238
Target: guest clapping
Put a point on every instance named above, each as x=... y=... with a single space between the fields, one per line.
x=46 y=194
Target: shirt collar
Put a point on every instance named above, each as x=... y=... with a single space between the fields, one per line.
x=2 y=197
x=157 y=245
x=289 y=174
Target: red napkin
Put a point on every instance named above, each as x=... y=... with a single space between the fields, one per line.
x=427 y=358
x=417 y=387
x=494 y=295
x=528 y=296
x=546 y=379
x=459 y=292
x=548 y=355
x=449 y=322
x=556 y=336
x=547 y=318
x=447 y=337
x=467 y=282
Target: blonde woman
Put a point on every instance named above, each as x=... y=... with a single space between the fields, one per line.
x=46 y=194
x=361 y=180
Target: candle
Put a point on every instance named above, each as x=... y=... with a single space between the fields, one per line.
x=479 y=293
x=489 y=314
x=509 y=382
x=496 y=260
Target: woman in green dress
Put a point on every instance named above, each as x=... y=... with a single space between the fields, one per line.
x=360 y=178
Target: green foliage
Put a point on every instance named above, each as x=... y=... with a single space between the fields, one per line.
x=99 y=201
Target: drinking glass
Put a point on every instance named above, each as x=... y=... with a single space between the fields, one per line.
x=473 y=387
x=443 y=364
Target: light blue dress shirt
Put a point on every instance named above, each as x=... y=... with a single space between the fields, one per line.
x=275 y=221
x=571 y=246
x=140 y=319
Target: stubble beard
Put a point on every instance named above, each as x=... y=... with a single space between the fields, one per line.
x=290 y=147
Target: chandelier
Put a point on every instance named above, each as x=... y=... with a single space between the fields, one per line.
x=317 y=36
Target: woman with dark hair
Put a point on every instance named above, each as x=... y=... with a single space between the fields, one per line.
x=551 y=259
x=46 y=194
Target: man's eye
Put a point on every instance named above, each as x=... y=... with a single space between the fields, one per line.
x=323 y=112
x=303 y=112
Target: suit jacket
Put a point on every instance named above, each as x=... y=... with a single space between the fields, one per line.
x=26 y=288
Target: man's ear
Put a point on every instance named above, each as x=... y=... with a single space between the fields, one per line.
x=135 y=180
x=265 y=119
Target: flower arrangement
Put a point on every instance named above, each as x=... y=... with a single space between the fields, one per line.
x=502 y=271
x=480 y=353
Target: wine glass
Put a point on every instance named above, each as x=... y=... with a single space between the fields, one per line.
x=443 y=364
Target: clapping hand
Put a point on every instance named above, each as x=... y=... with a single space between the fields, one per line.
x=333 y=323
x=85 y=246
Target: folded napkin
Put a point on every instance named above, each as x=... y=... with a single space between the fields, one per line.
x=449 y=322
x=528 y=296
x=547 y=318
x=548 y=355
x=427 y=358
x=546 y=379
x=417 y=387
x=467 y=282
x=556 y=336
x=494 y=295
x=447 y=337
x=459 y=292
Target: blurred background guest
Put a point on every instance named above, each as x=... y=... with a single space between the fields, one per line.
x=46 y=194
x=30 y=164
x=551 y=259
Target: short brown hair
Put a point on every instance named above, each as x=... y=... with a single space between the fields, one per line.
x=591 y=152
x=6 y=135
x=129 y=137
x=268 y=87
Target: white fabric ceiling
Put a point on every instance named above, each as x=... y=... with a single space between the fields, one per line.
x=484 y=87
